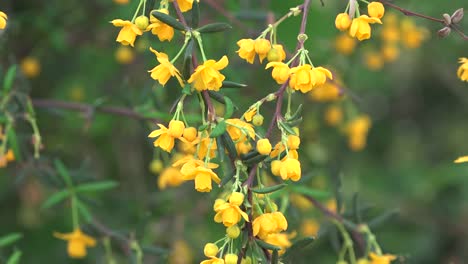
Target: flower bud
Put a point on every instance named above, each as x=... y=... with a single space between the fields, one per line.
x=156 y=166
x=264 y=146
x=190 y=134
x=447 y=19
x=176 y=128
x=210 y=250
x=457 y=16
x=342 y=21
x=376 y=9
x=275 y=167
x=142 y=22
x=276 y=53
x=233 y=231
x=444 y=32
x=257 y=120
x=230 y=259
x=247 y=260
x=236 y=198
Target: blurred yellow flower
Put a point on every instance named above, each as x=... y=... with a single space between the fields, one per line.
x=373 y=60
x=121 y=2
x=381 y=259
x=345 y=44
x=9 y=156
x=462 y=71
x=279 y=239
x=360 y=27
x=161 y=29
x=165 y=69
x=357 y=131
x=124 y=55
x=128 y=33
x=180 y=253
x=412 y=36
x=327 y=92
x=207 y=75
x=333 y=115
x=229 y=213
x=77 y=242
x=3 y=20
x=310 y=227
x=170 y=177
x=461 y=159
x=342 y=21
x=185 y=5
x=213 y=260
x=31 y=67
x=390 y=52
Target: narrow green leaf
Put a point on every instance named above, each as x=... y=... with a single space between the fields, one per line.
x=229 y=84
x=218 y=130
x=256 y=159
x=249 y=155
x=229 y=145
x=13 y=142
x=187 y=64
x=269 y=189
x=63 y=172
x=266 y=245
x=318 y=194
x=195 y=14
x=274 y=257
x=214 y=27
x=96 y=186
x=55 y=198
x=15 y=257
x=83 y=210
x=227 y=178
x=220 y=149
x=167 y=19
x=383 y=217
x=9 y=78
x=229 y=108
x=296 y=114
x=156 y=251
x=287 y=128
x=297 y=247
x=217 y=96
x=293 y=123
x=10 y=239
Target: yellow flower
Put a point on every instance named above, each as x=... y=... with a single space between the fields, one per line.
x=293 y=142
x=203 y=145
x=159 y=28
x=121 y=2
x=279 y=239
x=180 y=253
x=210 y=250
x=390 y=34
x=373 y=60
x=128 y=33
x=239 y=130
x=247 y=50
x=164 y=70
x=461 y=159
x=230 y=258
x=165 y=137
x=276 y=53
x=190 y=134
x=202 y=177
x=207 y=75
x=376 y=9
x=360 y=27
x=264 y=146
x=381 y=259
x=3 y=20
x=31 y=67
x=412 y=36
x=77 y=243
x=345 y=44
x=302 y=79
x=280 y=71
x=342 y=21
x=333 y=115
x=269 y=223
x=188 y=166
x=185 y=5
x=171 y=177
x=124 y=55
x=229 y=213
x=462 y=71
x=262 y=47
x=290 y=169
x=213 y=260
x=9 y=156
x=300 y=202
x=250 y=114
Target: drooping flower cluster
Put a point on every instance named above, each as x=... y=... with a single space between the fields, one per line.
x=359 y=26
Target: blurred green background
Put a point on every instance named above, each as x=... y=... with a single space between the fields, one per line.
x=417 y=105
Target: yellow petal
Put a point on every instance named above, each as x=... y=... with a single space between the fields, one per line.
x=461 y=159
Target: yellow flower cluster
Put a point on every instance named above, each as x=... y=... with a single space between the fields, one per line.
x=229 y=213
x=359 y=26
x=207 y=75
x=77 y=242
x=357 y=131
x=160 y=29
x=165 y=69
x=3 y=20
x=249 y=48
x=462 y=71
x=165 y=137
x=200 y=172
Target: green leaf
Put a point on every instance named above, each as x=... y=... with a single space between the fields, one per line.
x=195 y=14
x=296 y=247
x=266 y=245
x=287 y=128
x=269 y=189
x=383 y=217
x=83 y=210
x=256 y=159
x=63 y=172
x=220 y=149
x=229 y=145
x=96 y=186
x=229 y=84
x=13 y=142
x=293 y=123
x=229 y=107
x=9 y=78
x=10 y=239
x=218 y=130
x=296 y=114
x=227 y=178
x=156 y=251
x=187 y=64
x=15 y=257
x=249 y=155
x=319 y=194
x=55 y=198
x=214 y=27
x=274 y=257
x=167 y=19
x=217 y=96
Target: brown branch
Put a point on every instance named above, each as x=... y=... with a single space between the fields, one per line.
x=406 y=12
x=88 y=110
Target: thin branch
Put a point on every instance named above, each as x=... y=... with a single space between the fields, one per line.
x=406 y=12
